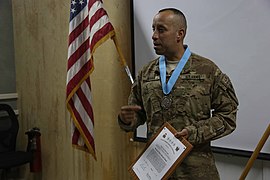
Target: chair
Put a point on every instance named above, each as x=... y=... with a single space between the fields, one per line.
x=9 y=156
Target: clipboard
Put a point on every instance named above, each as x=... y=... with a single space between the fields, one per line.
x=140 y=167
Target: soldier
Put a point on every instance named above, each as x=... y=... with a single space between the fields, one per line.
x=186 y=90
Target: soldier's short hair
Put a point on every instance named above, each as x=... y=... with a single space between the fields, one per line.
x=177 y=12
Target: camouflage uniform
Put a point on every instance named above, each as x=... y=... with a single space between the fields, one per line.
x=201 y=87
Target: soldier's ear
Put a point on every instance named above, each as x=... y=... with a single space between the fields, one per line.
x=181 y=34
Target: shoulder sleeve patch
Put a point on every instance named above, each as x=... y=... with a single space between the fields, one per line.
x=225 y=82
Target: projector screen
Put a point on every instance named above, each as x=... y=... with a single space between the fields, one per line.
x=235 y=34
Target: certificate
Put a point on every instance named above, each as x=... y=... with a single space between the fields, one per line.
x=161 y=156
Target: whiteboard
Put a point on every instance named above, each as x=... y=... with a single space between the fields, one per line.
x=235 y=34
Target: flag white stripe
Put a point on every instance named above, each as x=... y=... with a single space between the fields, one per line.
x=86 y=90
x=94 y=8
x=83 y=114
x=98 y=25
x=76 y=67
x=78 y=41
x=80 y=141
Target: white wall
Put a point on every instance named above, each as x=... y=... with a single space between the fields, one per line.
x=235 y=35
x=231 y=167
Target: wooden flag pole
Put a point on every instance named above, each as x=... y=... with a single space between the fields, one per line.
x=255 y=153
x=122 y=59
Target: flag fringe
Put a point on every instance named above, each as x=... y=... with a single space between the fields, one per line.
x=87 y=143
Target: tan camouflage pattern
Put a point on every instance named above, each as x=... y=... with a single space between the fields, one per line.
x=201 y=87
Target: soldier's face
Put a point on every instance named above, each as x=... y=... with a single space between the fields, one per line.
x=165 y=34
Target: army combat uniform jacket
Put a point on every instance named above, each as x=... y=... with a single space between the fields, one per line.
x=202 y=100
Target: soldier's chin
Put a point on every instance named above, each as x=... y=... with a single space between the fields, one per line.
x=158 y=52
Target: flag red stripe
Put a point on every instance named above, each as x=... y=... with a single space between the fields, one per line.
x=78 y=30
x=90 y=3
x=88 y=81
x=78 y=53
x=75 y=136
x=98 y=14
x=82 y=125
x=73 y=83
x=100 y=34
x=87 y=106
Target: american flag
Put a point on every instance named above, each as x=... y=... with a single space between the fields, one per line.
x=89 y=26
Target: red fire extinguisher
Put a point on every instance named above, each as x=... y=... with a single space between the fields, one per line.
x=34 y=146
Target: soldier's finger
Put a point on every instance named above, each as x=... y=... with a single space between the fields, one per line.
x=131 y=108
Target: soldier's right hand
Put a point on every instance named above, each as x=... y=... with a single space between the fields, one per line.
x=128 y=114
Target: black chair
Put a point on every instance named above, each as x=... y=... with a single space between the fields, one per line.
x=9 y=156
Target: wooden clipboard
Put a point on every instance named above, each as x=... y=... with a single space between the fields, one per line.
x=187 y=145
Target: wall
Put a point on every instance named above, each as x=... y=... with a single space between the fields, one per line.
x=231 y=167
x=40 y=38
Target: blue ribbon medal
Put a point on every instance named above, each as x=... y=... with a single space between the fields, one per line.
x=167 y=87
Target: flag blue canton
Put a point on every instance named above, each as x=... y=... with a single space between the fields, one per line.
x=76 y=7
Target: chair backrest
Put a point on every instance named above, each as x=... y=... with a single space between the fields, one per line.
x=9 y=127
